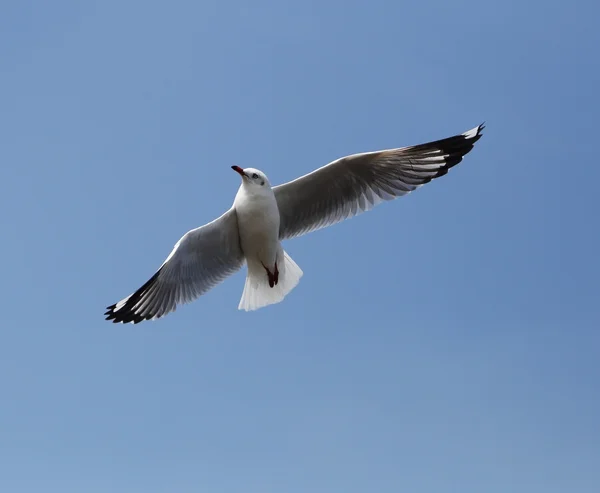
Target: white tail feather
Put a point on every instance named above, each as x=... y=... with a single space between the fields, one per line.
x=257 y=292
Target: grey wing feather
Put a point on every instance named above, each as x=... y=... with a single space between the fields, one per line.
x=200 y=260
x=354 y=184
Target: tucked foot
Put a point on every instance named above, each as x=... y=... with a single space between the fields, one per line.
x=272 y=277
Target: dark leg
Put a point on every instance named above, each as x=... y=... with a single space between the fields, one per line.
x=271 y=277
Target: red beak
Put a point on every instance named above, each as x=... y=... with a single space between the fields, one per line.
x=239 y=170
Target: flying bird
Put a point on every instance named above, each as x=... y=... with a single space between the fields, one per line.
x=262 y=216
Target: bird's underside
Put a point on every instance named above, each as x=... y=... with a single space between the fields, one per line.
x=206 y=256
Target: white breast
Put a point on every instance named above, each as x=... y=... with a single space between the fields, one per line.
x=258 y=222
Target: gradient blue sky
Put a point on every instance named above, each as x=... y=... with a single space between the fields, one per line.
x=445 y=342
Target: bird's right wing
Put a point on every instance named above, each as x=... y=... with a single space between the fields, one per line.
x=200 y=260
x=354 y=184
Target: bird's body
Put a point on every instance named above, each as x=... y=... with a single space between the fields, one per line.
x=258 y=223
x=262 y=216
x=271 y=272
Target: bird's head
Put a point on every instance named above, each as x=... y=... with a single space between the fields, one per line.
x=252 y=178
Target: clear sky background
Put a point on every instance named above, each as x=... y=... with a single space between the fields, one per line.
x=445 y=342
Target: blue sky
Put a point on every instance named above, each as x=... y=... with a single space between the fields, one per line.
x=444 y=342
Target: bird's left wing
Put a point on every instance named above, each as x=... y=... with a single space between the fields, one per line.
x=200 y=260
x=354 y=184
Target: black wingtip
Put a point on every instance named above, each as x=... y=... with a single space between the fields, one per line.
x=479 y=128
x=127 y=313
x=123 y=316
x=453 y=149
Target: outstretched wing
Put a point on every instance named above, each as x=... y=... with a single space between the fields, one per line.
x=200 y=260
x=354 y=184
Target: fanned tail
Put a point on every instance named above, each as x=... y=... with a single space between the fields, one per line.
x=257 y=292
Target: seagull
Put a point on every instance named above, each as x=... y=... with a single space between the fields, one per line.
x=261 y=216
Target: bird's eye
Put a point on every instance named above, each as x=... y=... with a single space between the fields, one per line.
x=254 y=175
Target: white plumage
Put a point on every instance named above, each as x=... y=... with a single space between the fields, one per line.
x=262 y=216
